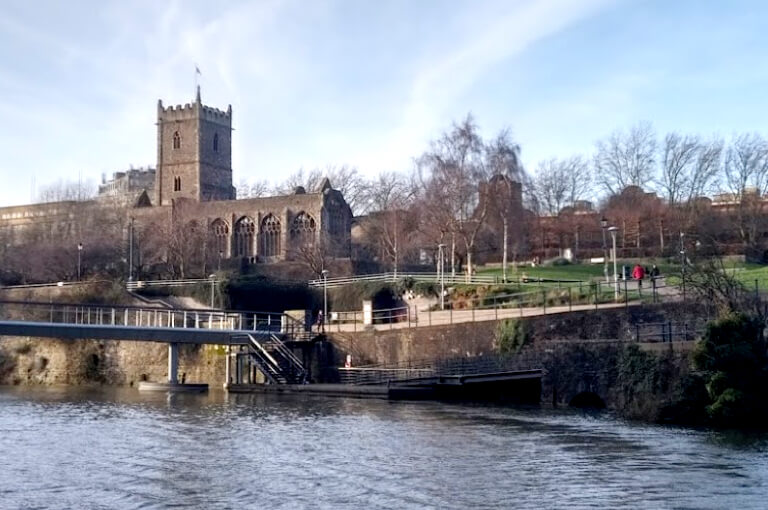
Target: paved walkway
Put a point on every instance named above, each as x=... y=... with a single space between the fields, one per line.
x=438 y=318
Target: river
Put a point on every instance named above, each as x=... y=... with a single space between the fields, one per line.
x=118 y=448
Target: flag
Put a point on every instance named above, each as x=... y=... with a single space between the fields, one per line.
x=197 y=71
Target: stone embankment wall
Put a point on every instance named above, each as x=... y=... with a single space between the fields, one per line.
x=474 y=339
x=583 y=353
x=49 y=361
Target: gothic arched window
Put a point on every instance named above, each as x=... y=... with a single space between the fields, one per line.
x=177 y=184
x=270 y=236
x=215 y=142
x=176 y=140
x=219 y=231
x=303 y=230
x=245 y=230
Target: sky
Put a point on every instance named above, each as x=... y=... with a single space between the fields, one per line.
x=366 y=83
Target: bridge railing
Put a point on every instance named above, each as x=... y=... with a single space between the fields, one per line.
x=108 y=315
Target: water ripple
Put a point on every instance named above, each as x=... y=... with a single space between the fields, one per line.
x=71 y=448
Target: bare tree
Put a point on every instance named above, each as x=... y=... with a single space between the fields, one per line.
x=63 y=190
x=560 y=183
x=503 y=190
x=252 y=189
x=746 y=176
x=626 y=158
x=679 y=155
x=390 y=224
x=344 y=178
x=455 y=168
x=317 y=254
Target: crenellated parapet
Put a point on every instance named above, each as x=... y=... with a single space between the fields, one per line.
x=194 y=110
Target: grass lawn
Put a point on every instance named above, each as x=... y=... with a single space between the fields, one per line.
x=576 y=272
x=747 y=273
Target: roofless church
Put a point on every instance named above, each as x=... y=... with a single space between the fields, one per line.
x=191 y=188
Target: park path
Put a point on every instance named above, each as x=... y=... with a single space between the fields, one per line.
x=444 y=317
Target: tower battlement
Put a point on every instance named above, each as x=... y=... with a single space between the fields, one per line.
x=194 y=152
x=193 y=110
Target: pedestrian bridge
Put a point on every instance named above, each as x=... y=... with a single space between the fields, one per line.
x=260 y=336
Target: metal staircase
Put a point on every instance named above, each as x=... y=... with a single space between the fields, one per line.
x=275 y=360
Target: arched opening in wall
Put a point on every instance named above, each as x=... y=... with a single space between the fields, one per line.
x=177 y=184
x=270 y=236
x=219 y=233
x=303 y=230
x=245 y=230
x=215 y=142
x=587 y=400
x=176 y=140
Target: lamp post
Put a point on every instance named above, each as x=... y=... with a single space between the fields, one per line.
x=441 y=274
x=613 y=231
x=79 y=259
x=325 y=297
x=603 y=226
x=682 y=260
x=130 y=251
x=212 y=277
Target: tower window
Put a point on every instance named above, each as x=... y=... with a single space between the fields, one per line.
x=177 y=184
x=176 y=140
x=216 y=142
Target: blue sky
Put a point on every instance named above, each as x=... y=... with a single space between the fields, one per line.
x=365 y=83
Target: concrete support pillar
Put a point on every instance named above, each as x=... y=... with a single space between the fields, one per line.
x=228 y=368
x=173 y=362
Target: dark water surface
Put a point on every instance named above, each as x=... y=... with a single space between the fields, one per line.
x=74 y=448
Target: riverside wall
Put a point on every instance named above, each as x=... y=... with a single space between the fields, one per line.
x=44 y=361
x=587 y=353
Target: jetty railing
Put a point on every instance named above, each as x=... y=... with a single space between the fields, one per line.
x=425 y=368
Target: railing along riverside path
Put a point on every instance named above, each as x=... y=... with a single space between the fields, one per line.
x=146 y=317
x=544 y=301
x=447 y=279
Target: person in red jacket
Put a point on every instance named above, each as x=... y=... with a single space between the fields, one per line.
x=638 y=273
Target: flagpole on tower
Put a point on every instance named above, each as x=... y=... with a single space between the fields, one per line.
x=197 y=85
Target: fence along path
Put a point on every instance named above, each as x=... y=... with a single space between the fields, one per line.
x=552 y=300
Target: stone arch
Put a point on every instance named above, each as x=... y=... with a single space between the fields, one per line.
x=219 y=232
x=587 y=399
x=270 y=236
x=245 y=231
x=176 y=140
x=303 y=230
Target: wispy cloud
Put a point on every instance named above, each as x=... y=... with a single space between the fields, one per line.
x=369 y=84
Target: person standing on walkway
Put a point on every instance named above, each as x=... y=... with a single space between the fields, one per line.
x=638 y=273
x=320 y=322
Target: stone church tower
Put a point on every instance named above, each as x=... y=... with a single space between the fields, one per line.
x=194 y=153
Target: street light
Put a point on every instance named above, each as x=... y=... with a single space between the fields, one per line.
x=212 y=277
x=682 y=259
x=603 y=226
x=441 y=275
x=130 y=251
x=613 y=231
x=79 y=259
x=325 y=297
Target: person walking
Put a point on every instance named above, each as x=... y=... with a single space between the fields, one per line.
x=638 y=273
x=320 y=321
